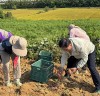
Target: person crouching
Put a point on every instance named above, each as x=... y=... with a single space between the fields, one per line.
x=13 y=47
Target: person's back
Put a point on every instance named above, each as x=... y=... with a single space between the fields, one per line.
x=82 y=46
x=4 y=34
x=75 y=31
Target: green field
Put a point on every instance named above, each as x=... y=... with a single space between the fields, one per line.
x=42 y=34
x=37 y=30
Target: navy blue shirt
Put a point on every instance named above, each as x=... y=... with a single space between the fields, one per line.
x=7 y=46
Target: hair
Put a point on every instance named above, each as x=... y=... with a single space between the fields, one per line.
x=72 y=26
x=64 y=42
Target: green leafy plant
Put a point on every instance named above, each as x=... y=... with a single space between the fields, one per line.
x=8 y=15
x=2 y=15
x=54 y=8
x=46 y=34
x=46 y=9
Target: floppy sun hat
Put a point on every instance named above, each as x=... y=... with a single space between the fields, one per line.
x=19 y=45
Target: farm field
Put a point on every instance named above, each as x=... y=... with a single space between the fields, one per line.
x=42 y=30
x=52 y=29
x=57 y=14
x=79 y=85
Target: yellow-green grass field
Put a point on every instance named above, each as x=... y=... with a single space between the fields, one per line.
x=57 y=14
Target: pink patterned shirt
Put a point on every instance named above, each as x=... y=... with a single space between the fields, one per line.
x=78 y=32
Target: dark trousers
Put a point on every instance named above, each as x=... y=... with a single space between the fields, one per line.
x=94 y=73
x=72 y=62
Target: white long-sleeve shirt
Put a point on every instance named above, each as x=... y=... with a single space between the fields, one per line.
x=80 y=50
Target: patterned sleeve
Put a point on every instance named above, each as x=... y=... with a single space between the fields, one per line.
x=72 y=34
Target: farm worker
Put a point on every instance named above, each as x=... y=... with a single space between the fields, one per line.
x=13 y=47
x=78 y=52
x=77 y=32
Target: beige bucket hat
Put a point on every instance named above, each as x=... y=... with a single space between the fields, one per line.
x=19 y=45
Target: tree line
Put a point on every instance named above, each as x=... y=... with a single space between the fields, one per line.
x=13 y=4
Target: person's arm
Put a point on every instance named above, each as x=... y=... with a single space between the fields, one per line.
x=64 y=58
x=81 y=63
x=63 y=62
x=71 y=33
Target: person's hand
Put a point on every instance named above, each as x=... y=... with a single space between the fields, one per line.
x=79 y=69
x=73 y=70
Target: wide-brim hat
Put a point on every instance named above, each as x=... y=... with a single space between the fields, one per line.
x=19 y=45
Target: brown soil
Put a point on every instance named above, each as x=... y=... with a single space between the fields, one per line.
x=79 y=85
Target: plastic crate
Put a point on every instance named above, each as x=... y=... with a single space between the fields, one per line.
x=46 y=55
x=41 y=71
